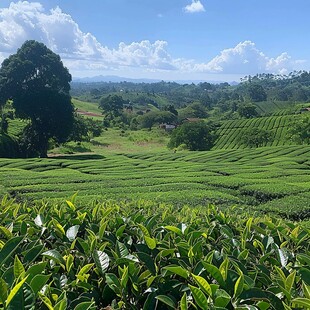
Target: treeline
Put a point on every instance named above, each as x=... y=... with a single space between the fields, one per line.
x=294 y=87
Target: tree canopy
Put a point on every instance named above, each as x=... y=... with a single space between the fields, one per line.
x=247 y=110
x=113 y=104
x=300 y=131
x=38 y=84
x=256 y=137
x=196 y=136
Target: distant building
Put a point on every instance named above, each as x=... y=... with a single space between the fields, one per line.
x=191 y=120
x=167 y=127
x=304 y=110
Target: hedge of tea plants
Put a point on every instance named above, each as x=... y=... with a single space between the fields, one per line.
x=273 y=179
x=143 y=255
x=230 y=133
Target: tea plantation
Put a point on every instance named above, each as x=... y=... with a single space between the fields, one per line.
x=148 y=256
x=265 y=179
x=224 y=229
x=231 y=132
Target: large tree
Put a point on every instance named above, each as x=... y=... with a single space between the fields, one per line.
x=256 y=137
x=300 y=130
x=247 y=110
x=113 y=105
x=197 y=136
x=38 y=84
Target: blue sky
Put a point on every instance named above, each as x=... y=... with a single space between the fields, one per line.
x=164 y=39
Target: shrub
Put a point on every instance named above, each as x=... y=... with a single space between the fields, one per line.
x=196 y=136
x=256 y=137
x=8 y=146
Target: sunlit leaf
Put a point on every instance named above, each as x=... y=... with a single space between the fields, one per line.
x=176 y=230
x=238 y=289
x=203 y=284
x=177 y=270
x=72 y=232
x=199 y=297
x=14 y=291
x=101 y=260
x=184 y=302
x=39 y=220
x=70 y=204
x=303 y=303
x=150 y=242
x=214 y=271
x=54 y=255
x=18 y=267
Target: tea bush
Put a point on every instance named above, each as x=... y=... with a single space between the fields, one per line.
x=143 y=255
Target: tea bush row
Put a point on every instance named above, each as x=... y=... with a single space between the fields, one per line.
x=143 y=255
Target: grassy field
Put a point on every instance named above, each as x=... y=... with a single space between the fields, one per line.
x=269 y=179
x=87 y=106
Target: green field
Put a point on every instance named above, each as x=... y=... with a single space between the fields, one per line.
x=86 y=106
x=231 y=132
x=130 y=224
x=269 y=179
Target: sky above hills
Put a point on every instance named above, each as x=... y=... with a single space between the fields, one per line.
x=164 y=39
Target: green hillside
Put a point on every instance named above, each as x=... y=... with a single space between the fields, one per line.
x=276 y=107
x=86 y=106
x=230 y=132
x=267 y=178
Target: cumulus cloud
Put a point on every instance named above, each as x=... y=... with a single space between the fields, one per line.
x=24 y=20
x=195 y=7
x=246 y=58
x=82 y=52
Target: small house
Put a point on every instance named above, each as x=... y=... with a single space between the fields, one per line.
x=191 y=120
x=304 y=110
x=167 y=127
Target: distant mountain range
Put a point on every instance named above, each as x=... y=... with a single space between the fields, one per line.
x=118 y=79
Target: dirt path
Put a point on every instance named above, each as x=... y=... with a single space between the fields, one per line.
x=81 y=112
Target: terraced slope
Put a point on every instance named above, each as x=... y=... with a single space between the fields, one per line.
x=276 y=107
x=230 y=132
x=273 y=179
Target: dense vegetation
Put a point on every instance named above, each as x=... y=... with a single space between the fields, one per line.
x=37 y=84
x=259 y=89
x=143 y=232
x=269 y=179
x=149 y=256
x=194 y=136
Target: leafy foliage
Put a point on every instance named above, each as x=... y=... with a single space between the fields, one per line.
x=300 y=131
x=8 y=146
x=247 y=110
x=137 y=255
x=256 y=137
x=38 y=83
x=85 y=128
x=112 y=104
x=196 y=136
x=149 y=119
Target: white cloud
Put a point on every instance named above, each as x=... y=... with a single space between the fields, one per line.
x=24 y=20
x=82 y=52
x=246 y=58
x=195 y=7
